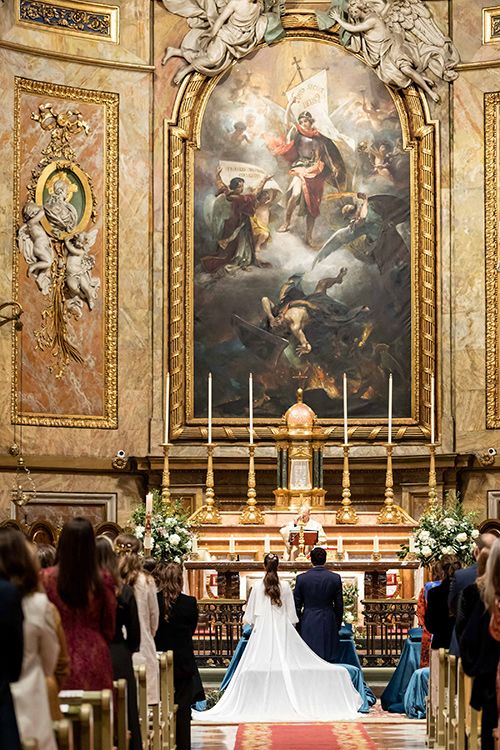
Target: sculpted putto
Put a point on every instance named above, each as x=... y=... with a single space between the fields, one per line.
x=36 y=246
x=400 y=41
x=221 y=31
x=81 y=285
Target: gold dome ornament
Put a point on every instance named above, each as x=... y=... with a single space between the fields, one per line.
x=299 y=418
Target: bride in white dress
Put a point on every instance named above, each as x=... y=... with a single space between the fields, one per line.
x=279 y=678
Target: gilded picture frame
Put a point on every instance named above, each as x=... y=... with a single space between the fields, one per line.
x=182 y=140
x=492 y=197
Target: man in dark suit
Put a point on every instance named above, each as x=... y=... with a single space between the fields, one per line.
x=320 y=607
x=12 y=647
x=463 y=578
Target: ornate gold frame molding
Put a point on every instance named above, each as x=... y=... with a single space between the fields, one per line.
x=491 y=25
x=492 y=197
x=109 y=209
x=182 y=138
x=87 y=20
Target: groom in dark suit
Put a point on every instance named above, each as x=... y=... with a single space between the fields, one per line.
x=320 y=607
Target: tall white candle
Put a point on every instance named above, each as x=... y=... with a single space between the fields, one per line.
x=149 y=502
x=411 y=544
x=167 y=410
x=267 y=544
x=194 y=547
x=209 y=408
x=250 y=405
x=433 y=409
x=376 y=546
x=345 y=409
x=232 y=546
x=389 y=414
x=340 y=544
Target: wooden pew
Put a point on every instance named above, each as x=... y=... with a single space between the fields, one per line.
x=449 y=707
x=168 y=707
x=63 y=730
x=458 y=720
x=142 y=698
x=82 y=722
x=121 y=714
x=102 y=705
x=472 y=719
x=436 y=699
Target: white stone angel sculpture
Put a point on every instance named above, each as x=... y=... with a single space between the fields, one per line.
x=401 y=41
x=80 y=283
x=36 y=246
x=221 y=32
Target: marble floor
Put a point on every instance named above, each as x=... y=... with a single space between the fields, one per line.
x=399 y=734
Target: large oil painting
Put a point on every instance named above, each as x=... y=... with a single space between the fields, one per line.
x=302 y=238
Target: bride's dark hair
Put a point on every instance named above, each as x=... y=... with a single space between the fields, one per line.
x=271 y=580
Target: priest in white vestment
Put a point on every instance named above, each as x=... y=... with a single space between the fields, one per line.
x=309 y=525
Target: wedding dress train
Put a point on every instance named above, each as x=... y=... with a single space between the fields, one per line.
x=279 y=678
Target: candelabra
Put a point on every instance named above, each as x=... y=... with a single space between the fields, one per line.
x=390 y=513
x=208 y=513
x=251 y=513
x=24 y=488
x=432 y=494
x=301 y=557
x=346 y=514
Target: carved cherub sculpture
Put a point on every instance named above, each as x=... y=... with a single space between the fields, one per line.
x=400 y=41
x=221 y=31
x=80 y=283
x=36 y=246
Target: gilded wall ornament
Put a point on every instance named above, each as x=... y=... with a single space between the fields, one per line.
x=65 y=256
x=64 y=16
x=56 y=237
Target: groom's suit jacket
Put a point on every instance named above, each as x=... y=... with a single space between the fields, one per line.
x=320 y=609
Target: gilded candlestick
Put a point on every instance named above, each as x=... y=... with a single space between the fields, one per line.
x=208 y=513
x=301 y=557
x=346 y=514
x=390 y=513
x=251 y=514
x=432 y=494
x=165 y=479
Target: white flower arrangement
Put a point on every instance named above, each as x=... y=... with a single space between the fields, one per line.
x=444 y=530
x=171 y=532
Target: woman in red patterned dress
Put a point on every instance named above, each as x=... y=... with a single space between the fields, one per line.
x=86 y=602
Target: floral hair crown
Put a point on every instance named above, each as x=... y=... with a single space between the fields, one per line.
x=123 y=547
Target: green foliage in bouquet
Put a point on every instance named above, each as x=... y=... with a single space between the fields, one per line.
x=444 y=530
x=170 y=529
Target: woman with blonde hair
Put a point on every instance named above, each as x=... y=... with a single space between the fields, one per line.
x=279 y=678
x=178 y=621
x=131 y=571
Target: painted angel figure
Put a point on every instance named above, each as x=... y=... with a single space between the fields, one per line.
x=80 y=283
x=400 y=41
x=36 y=246
x=221 y=31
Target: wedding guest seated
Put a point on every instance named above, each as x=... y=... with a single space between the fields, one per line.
x=41 y=646
x=492 y=602
x=304 y=516
x=479 y=651
x=175 y=633
x=436 y=574
x=127 y=637
x=437 y=617
x=11 y=660
x=86 y=602
x=463 y=578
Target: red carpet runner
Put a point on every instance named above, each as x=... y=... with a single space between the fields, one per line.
x=338 y=736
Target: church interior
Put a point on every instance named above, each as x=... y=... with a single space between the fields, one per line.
x=251 y=265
